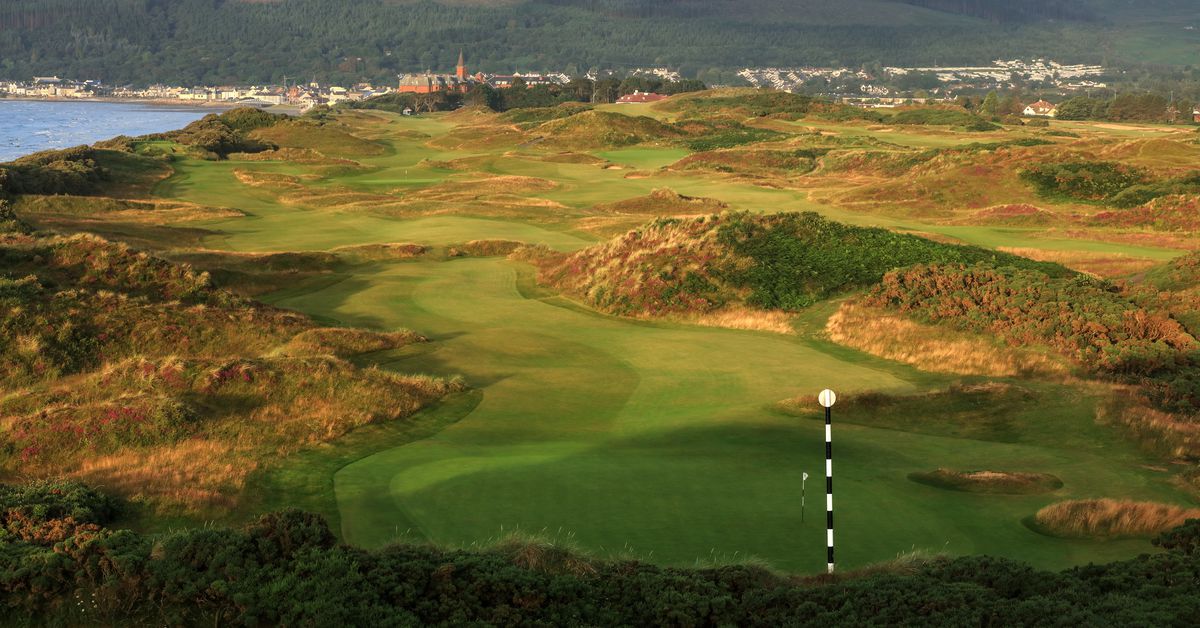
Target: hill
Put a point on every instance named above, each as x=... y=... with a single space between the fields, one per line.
x=202 y=41
x=688 y=266
x=141 y=376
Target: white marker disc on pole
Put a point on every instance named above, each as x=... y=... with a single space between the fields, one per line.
x=826 y=398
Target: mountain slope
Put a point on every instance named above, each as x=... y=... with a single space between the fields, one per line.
x=212 y=41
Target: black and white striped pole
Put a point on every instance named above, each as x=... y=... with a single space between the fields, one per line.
x=826 y=398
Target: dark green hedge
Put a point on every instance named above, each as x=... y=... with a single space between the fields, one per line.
x=287 y=569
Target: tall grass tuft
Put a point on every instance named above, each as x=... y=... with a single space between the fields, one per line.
x=1111 y=518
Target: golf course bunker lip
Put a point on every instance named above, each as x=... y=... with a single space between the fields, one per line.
x=989 y=482
x=1107 y=519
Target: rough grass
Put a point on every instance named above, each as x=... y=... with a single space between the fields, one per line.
x=327 y=139
x=1111 y=518
x=344 y=342
x=998 y=482
x=380 y=252
x=123 y=362
x=735 y=317
x=484 y=248
x=1166 y=434
x=1097 y=264
x=933 y=348
x=664 y=202
x=599 y=129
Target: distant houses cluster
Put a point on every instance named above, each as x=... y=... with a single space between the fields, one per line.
x=462 y=81
x=301 y=95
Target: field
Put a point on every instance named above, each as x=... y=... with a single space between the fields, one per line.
x=655 y=438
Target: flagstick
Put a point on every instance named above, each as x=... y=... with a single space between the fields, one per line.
x=826 y=398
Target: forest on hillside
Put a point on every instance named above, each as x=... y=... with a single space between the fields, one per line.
x=214 y=41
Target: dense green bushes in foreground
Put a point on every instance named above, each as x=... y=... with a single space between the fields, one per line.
x=60 y=566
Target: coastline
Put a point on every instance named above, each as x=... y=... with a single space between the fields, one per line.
x=155 y=102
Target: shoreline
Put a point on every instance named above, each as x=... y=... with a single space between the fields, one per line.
x=157 y=102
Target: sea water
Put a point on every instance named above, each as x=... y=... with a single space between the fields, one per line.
x=28 y=126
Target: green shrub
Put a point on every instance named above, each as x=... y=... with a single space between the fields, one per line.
x=943 y=117
x=67 y=171
x=1083 y=180
x=287 y=569
x=44 y=500
x=801 y=258
x=1077 y=315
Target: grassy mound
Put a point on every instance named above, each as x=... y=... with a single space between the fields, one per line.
x=992 y=482
x=753 y=161
x=1110 y=518
x=1177 y=212
x=484 y=248
x=121 y=365
x=1014 y=215
x=216 y=136
x=743 y=102
x=330 y=140
x=891 y=335
x=533 y=116
x=343 y=342
x=601 y=129
x=664 y=201
x=774 y=262
x=934 y=116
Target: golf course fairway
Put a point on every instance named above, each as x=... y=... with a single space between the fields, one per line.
x=653 y=440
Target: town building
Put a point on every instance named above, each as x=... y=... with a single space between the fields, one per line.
x=1041 y=109
x=429 y=83
x=640 y=97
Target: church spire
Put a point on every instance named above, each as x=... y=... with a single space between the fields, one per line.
x=462 y=66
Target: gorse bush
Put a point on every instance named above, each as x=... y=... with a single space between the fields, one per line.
x=66 y=171
x=286 y=568
x=1083 y=180
x=942 y=117
x=1079 y=316
x=801 y=258
x=220 y=135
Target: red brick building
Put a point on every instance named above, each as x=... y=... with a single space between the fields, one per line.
x=429 y=83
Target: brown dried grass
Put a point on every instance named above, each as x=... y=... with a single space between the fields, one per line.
x=1111 y=518
x=1092 y=263
x=195 y=474
x=343 y=342
x=1157 y=431
x=748 y=319
x=933 y=348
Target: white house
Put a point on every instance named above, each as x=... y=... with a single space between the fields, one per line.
x=1041 y=109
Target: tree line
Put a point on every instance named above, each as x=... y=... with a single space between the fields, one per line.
x=218 y=41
